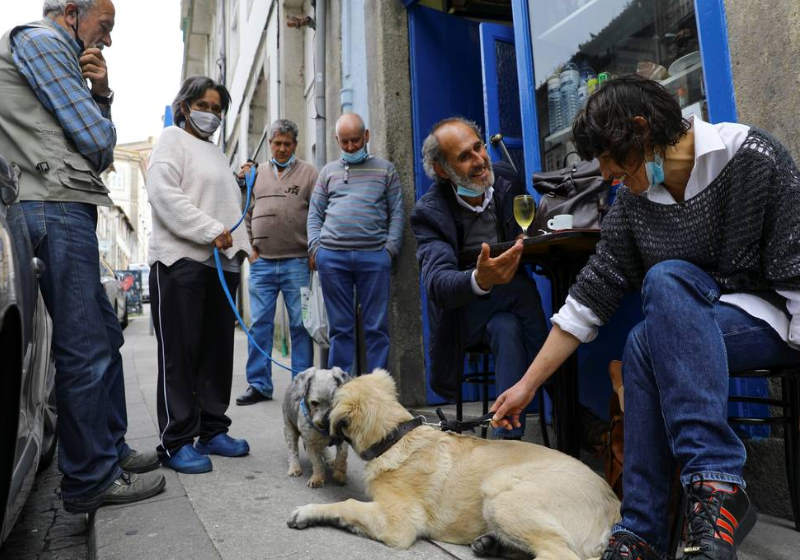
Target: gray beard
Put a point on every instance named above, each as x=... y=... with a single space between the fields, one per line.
x=459 y=180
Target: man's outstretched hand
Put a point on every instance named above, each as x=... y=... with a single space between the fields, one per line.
x=500 y=269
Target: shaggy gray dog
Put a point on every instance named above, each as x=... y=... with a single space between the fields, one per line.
x=306 y=407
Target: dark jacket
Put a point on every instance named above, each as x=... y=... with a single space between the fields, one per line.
x=448 y=287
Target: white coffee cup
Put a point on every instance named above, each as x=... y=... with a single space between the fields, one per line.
x=561 y=221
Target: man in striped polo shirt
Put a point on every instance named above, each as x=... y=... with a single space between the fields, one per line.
x=355 y=228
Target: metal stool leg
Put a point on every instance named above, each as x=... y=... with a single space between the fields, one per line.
x=791 y=440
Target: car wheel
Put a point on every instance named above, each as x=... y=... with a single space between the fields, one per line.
x=124 y=322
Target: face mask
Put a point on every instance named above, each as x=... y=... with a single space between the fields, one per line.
x=204 y=123
x=78 y=40
x=464 y=191
x=356 y=157
x=285 y=164
x=655 y=171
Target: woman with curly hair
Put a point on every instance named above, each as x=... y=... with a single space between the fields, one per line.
x=706 y=227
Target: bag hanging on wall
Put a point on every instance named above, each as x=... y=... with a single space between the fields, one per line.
x=578 y=190
x=315 y=318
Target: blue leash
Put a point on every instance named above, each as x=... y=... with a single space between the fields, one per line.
x=250 y=178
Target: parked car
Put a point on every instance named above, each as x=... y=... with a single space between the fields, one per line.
x=145 y=273
x=131 y=281
x=27 y=395
x=116 y=295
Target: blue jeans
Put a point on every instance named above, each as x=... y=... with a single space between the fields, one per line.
x=267 y=277
x=90 y=390
x=675 y=372
x=369 y=273
x=511 y=321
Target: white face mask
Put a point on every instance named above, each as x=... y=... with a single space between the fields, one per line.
x=204 y=123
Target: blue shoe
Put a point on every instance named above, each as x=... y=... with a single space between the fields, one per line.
x=223 y=444
x=188 y=460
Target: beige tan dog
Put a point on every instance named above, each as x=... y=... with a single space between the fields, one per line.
x=503 y=497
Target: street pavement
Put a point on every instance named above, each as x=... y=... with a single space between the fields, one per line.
x=239 y=510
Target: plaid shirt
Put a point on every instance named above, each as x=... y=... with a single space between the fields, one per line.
x=54 y=74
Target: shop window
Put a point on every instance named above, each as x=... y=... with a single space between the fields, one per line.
x=579 y=44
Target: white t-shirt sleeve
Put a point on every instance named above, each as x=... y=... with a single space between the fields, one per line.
x=476 y=289
x=793 y=307
x=578 y=320
x=170 y=203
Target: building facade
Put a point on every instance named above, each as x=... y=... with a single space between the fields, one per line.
x=123 y=230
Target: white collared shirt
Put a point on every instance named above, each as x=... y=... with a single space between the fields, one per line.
x=714 y=146
x=476 y=289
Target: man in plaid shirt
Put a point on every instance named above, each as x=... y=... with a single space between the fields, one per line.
x=58 y=134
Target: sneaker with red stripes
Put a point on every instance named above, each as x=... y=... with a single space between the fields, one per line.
x=717 y=520
x=627 y=546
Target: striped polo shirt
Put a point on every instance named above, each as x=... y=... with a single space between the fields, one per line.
x=356 y=207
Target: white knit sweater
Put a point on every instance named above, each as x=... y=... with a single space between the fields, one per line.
x=193 y=196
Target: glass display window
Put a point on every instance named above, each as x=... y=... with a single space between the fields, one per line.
x=579 y=44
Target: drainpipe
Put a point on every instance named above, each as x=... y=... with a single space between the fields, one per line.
x=321 y=155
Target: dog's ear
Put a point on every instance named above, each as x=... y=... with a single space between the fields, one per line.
x=307 y=386
x=336 y=429
x=384 y=380
x=339 y=376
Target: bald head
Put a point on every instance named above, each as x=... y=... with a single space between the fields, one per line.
x=351 y=132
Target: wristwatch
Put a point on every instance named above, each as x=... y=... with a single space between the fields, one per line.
x=104 y=99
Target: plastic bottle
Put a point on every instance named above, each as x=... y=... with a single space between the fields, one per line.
x=570 y=78
x=587 y=74
x=554 y=103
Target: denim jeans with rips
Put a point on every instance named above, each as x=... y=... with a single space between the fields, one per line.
x=675 y=373
x=90 y=390
x=267 y=278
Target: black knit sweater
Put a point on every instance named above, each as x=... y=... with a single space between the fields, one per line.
x=743 y=229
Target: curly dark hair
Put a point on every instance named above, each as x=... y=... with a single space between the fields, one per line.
x=606 y=125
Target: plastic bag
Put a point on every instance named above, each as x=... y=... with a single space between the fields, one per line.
x=315 y=319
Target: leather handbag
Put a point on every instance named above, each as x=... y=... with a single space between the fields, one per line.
x=578 y=190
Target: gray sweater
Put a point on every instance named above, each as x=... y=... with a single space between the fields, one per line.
x=357 y=208
x=743 y=230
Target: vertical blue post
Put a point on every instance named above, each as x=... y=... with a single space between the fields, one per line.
x=527 y=90
x=712 y=31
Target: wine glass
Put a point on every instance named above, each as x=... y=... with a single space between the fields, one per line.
x=524 y=211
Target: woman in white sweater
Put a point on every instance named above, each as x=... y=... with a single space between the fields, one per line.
x=194 y=198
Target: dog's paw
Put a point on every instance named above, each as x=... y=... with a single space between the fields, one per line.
x=316 y=481
x=295 y=470
x=300 y=518
x=340 y=477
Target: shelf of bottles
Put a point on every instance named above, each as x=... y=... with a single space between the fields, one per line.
x=583 y=43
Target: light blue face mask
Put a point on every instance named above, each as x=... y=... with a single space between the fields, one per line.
x=464 y=191
x=356 y=157
x=285 y=164
x=655 y=170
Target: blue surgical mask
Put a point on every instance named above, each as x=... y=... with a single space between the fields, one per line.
x=464 y=191
x=356 y=157
x=655 y=170
x=285 y=164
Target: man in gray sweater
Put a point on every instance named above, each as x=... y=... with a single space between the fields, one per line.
x=276 y=225
x=355 y=228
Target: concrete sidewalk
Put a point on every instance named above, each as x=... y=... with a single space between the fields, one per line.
x=239 y=510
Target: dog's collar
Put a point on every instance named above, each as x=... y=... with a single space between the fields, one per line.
x=393 y=437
